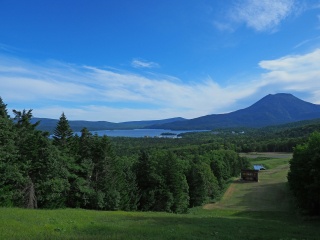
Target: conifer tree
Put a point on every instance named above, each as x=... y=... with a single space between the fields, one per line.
x=3 y=109
x=63 y=132
x=304 y=175
x=148 y=181
x=107 y=176
x=11 y=179
x=80 y=168
x=40 y=166
x=203 y=185
x=175 y=185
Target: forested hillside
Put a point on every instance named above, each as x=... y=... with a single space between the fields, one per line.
x=87 y=171
x=147 y=174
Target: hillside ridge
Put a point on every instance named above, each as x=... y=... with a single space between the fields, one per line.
x=273 y=109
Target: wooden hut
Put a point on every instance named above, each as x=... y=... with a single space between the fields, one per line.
x=250 y=175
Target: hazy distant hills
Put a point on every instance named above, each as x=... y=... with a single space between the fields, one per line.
x=271 y=110
x=49 y=125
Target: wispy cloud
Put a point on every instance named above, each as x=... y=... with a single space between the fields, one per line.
x=91 y=93
x=139 y=63
x=262 y=15
x=7 y=48
x=294 y=73
x=120 y=96
x=306 y=42
x=259 y=15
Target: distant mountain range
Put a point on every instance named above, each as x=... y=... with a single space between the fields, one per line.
x=271 y=110
x=274 y=109
x=47 y=124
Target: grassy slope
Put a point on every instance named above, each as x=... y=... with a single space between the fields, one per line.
x=269 y=194
x=247 y=211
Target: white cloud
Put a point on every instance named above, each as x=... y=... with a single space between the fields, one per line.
x=100 y=94
x=262 y=15
x=139 y=63
x=91 y=93
x=298 y=73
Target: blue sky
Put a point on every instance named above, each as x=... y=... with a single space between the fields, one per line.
x=123 y=60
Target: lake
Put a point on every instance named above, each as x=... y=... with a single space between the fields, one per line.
x=141 y=133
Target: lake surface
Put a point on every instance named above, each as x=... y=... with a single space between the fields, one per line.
x=141 y=133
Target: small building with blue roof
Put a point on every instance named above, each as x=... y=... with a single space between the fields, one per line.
x=258 y=167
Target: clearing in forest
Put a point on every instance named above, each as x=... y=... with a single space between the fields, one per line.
x=271 y=193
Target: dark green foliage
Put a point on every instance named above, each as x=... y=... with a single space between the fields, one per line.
x=148 y=180
x=32 y=171
x=41 y=166
x=63 y=132
x=80 y=167
x=304 y=175
x=98 y=179
x=175 y=182
x=162 y=183
x=11 y=179
x=203 y=184
x=107 y=177
x=93 y=172
x=3 y=109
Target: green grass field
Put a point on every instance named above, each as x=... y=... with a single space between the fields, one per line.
x=260 y=210
x=271 y=193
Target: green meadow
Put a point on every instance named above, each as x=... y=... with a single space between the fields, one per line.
x=262 y=210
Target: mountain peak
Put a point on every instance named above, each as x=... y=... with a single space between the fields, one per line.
x=270 y=110
x=283 y=100
x=279 y=97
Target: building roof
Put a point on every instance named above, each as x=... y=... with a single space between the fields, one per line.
x=258 y=167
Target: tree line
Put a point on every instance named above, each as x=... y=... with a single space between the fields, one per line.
x=304 y=175
x=84 y=171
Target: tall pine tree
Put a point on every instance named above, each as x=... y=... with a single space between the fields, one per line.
x=63 y=132
x=40 y=165
x=11 y=179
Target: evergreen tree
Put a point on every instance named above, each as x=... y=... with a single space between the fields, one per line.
x=40 y=166
x=176 y=183
x=129 y=190
x=148 y=181
x=23 y=120
x=107 y=176
x=47 y=173
x=11 y=179
x=3 y=109
x=161 y=182
x=63 y=132
x=203 y=185
x=304 y=175
x=80 y=169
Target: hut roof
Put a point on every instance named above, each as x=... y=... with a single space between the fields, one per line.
x=258 y=167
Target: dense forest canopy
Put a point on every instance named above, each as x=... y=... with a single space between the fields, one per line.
x=147 y=174
x=304 y=175
x=95 y=172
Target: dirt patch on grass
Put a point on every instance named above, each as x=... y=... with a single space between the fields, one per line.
x=230 y=191
x=226 y=195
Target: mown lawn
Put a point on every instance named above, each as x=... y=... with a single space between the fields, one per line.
x=271 y=193
x=198 y=224
x=262 y=210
